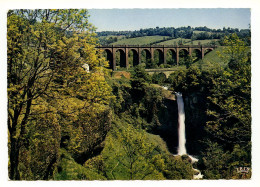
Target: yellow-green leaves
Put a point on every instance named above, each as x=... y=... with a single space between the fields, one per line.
x=129 y=151
x=235 y=48
x=48 y=87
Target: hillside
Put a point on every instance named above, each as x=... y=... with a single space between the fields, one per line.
x=174 y=41
x=162 y=35
x=211 y=58
x=145 y=40
x=157 y=40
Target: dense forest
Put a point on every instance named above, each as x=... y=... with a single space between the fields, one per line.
x=66 y=123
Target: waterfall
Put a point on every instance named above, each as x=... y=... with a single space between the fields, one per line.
x=181 y=133
x=181 y=129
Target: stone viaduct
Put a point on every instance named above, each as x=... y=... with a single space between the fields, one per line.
x=149 y=50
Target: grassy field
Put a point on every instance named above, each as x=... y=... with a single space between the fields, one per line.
x=197 y=32
x=211 y=58
x=173 y=41
x=107 y=37
x=202 y=42
x=185 y=42
x=145 y=40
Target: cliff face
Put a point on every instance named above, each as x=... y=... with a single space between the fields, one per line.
x=168 y=130
x=195 y=119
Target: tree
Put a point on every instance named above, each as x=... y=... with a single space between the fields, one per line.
x=177 y=167
x=235 y=50
x=188 y=61
x=46 y=51
x=158 y=78
x=231 y=95
x=134 y=155
x=229 y=106
x=138 y=83
x=215 y=161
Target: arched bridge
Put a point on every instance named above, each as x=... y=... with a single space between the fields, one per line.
x=176 y=52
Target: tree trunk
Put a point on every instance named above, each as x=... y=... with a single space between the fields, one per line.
x=14 y=159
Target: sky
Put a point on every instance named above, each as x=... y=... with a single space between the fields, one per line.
x=135 y=19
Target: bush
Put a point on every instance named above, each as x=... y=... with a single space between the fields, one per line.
x=158 y=78
x=167 y=66
x=177 y=167
x=161 y=66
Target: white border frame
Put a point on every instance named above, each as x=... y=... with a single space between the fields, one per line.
x=34 y=4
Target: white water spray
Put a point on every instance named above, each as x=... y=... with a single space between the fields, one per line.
x=181 y=130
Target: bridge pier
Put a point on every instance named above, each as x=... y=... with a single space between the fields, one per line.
x=114 y=58
x=152 y=52
x=177 y=56
x=139 y=55
x=126 y=57
x=164 y=55
x=190 y=52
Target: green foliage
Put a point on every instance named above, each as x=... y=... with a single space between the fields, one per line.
x=188 y=62
x=121 y=91
x=49 y=91
x=171 y=58
x=152 y=102
x=235 y=50
x=186 y=80
x=158 y=58
x=141 y=100
x=219 y=164
x=151 y=64
x=227 y=94
x=68 y=169
x=177 y=168
x=140 y=74
x=158 y=78
x=161 y=66
x=231 y=98
x=134 y=155
x=215 y=160
x=139 y=78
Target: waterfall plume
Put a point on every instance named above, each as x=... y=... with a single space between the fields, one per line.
x=181 y=129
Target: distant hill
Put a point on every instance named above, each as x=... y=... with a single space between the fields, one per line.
x=162 y=40
x=169 y=35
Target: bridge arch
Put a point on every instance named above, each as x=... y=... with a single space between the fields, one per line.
x=196 y=54
x=133 y=57
x=146 y=57
x=158 y=57
x=109 y=57
x=120 y=58
x=183 y=55
x=171 y=57
x=207 y=50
